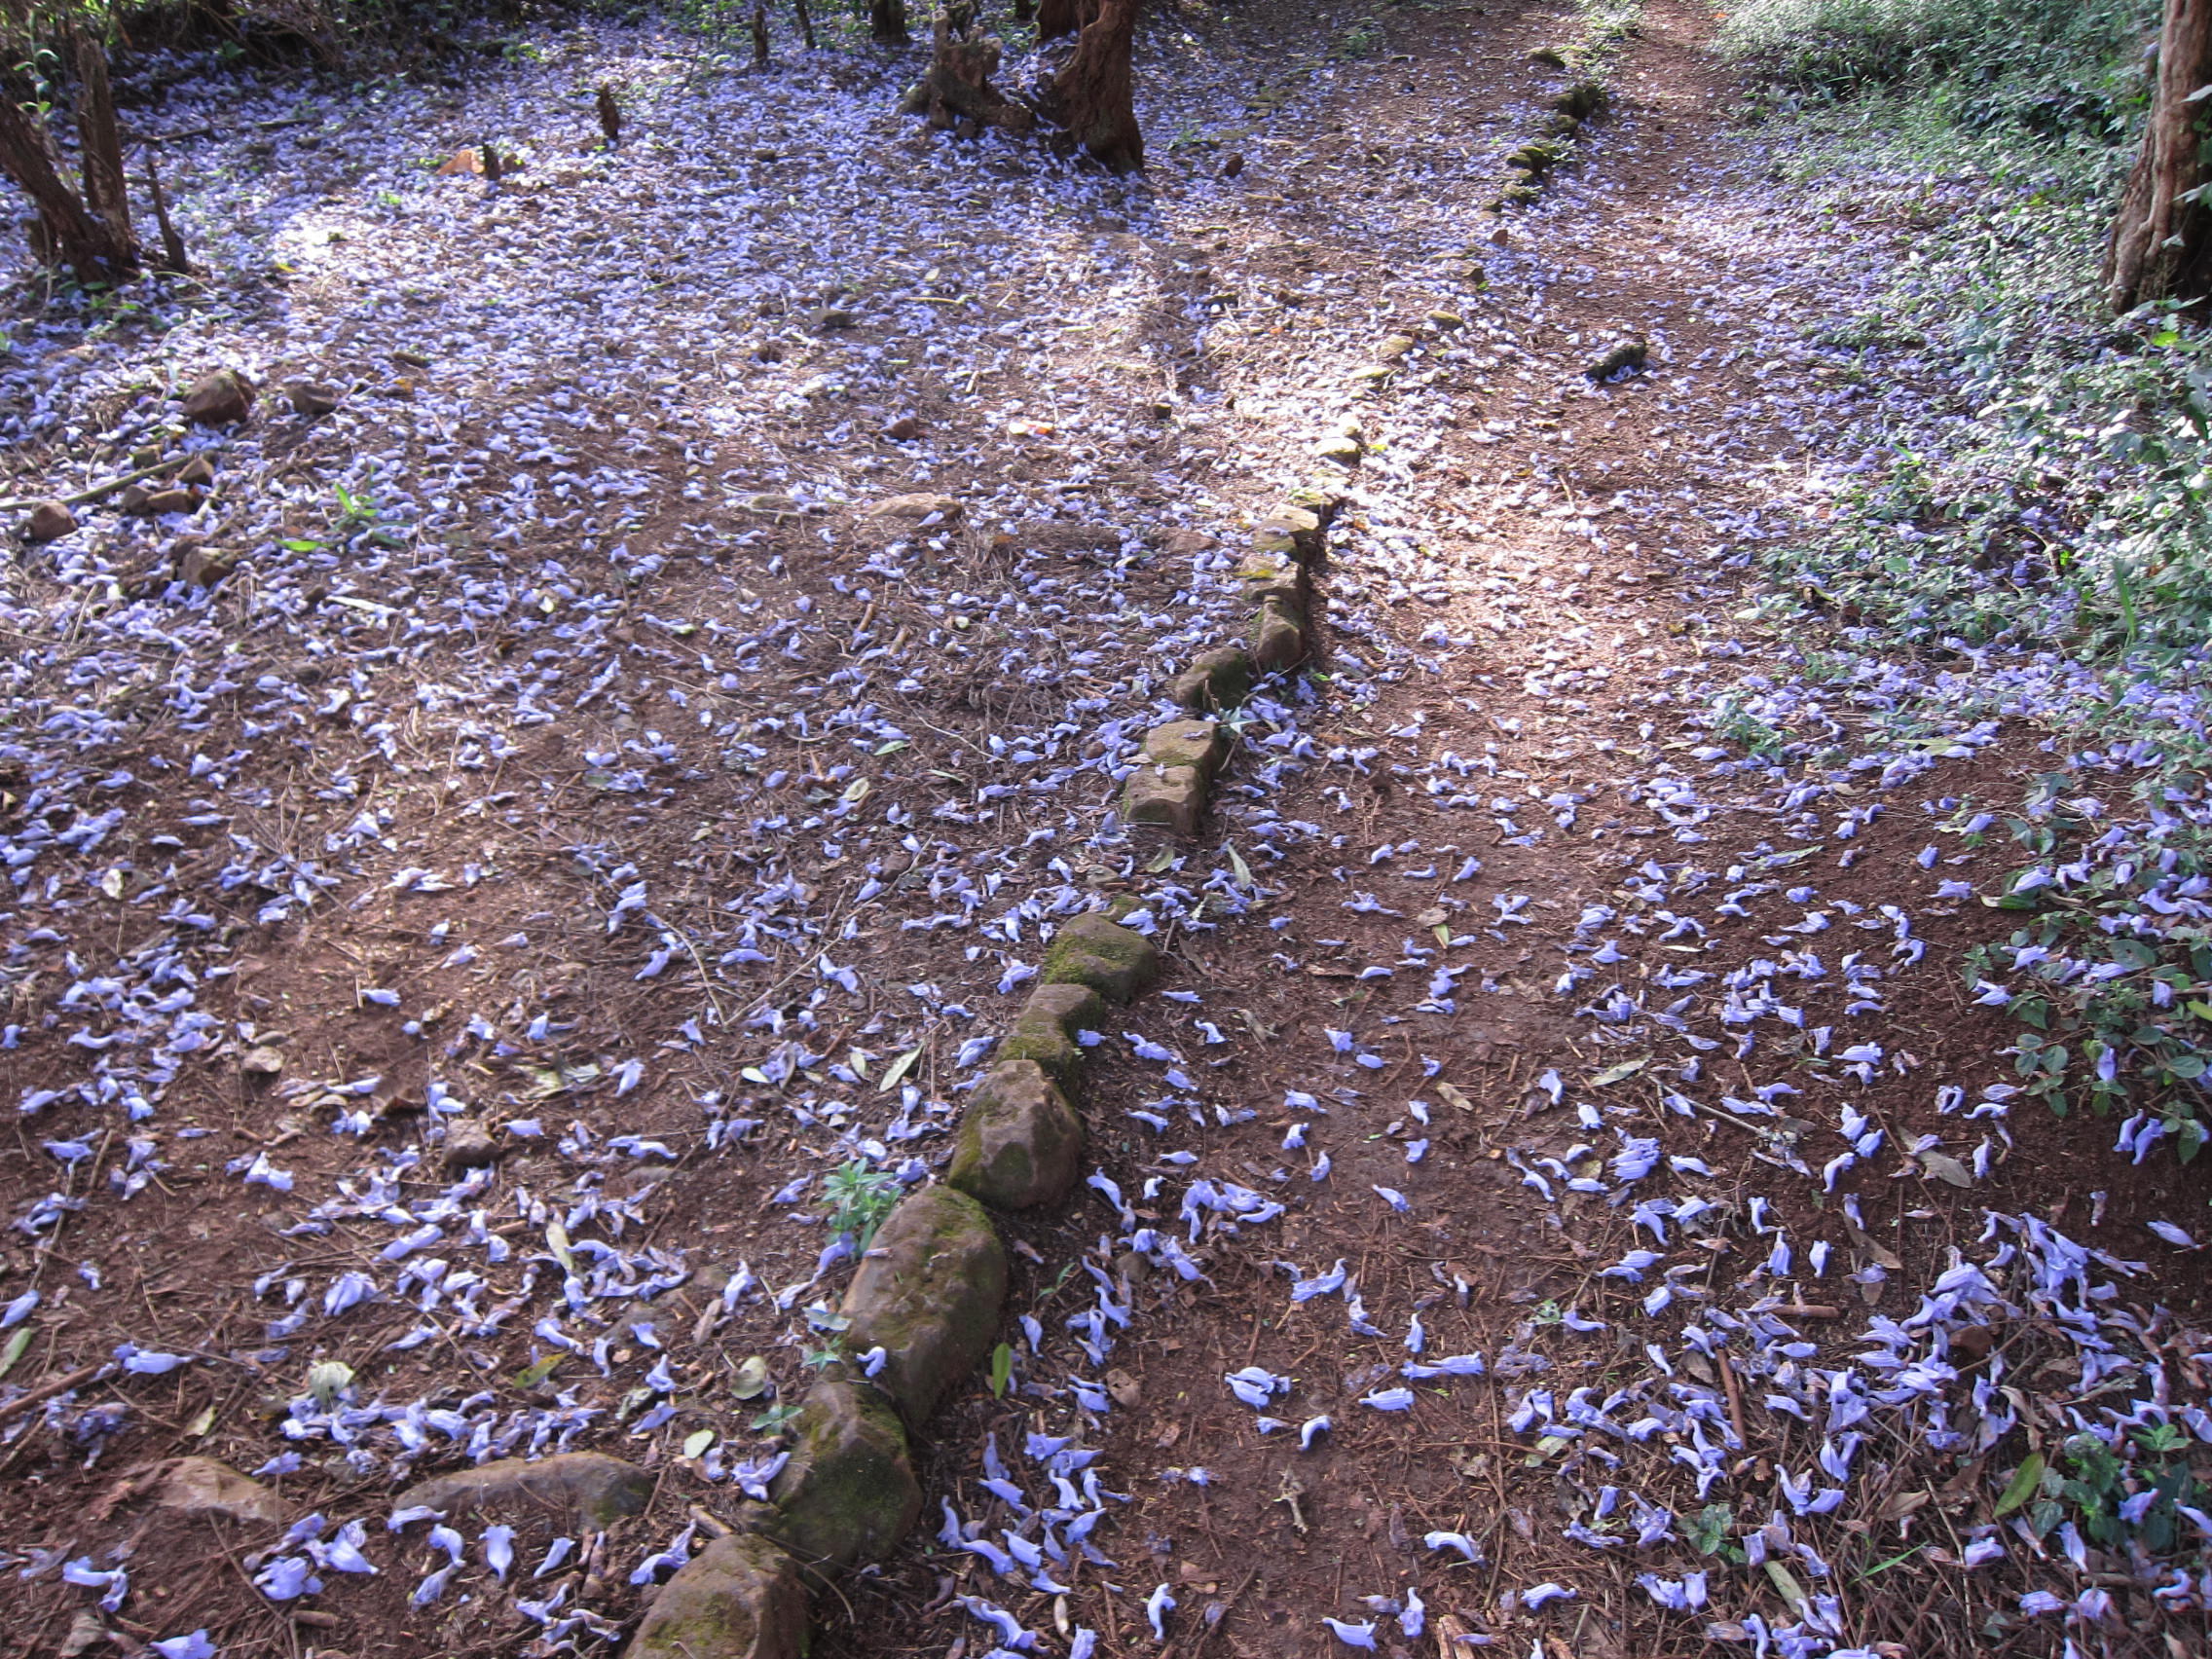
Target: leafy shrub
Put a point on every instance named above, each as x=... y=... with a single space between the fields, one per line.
x=2051 y=67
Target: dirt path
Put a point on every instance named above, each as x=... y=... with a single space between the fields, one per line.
x=598 y=771
x=1509 y=832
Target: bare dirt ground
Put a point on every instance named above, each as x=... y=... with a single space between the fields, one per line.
x=595 y=770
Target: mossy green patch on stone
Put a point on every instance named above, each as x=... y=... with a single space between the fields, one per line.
x=1199 y=744
x=740 y=1598
x=928 y=1293
x=848 y=1493
x=1217 y=679
x=1045 y=1030
x=1111 y=960
x=1020 y=1144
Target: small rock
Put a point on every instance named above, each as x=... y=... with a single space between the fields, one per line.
x=410 y=360
x=1169 y=797
x=1292 y=530
x=221 y=398
x=206 y=566
x=1045 y=1030
x=263 y=1061
x=1114 y=961
x=740 y=1598
x=313 y=398
x=50 y=521
x=903 y=430
x=1216 y=679
x=1628 y=355
x=1127 y=1391
x=822 y=319
x=1548 y=56
x=1233 y=165
x=1199 y=745
x=915 y=508
x=929 y=1293
x=470 y=1145
x=1278 y=637
x=160 y=502
x=198 y=470
x=1394 y=348
x=201 y=1486
x=587 y=1486
x=1341 y=448
x=1020 y=1143
x=1445 y=322
x=849 y=1493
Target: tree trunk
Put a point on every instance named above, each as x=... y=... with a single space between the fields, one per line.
x=2162 y=240
x=887 y=21
x=1058 y=17
x=1092 y=95
x=959 y=80
x=759 y=33
x=805 y=23
x=99 y=144
x=69 y=231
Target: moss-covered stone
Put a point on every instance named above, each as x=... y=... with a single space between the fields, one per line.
x=1272 y=573
x=928 y=1293
x=1045 y=1031
x=1216 y=679
x=1582 y=100
x=1020 y=1143
x=740 y=1598
x=1279 y=636
x=1111 y=960
x=849 y=1492
x=1197 y=744
x=1319 y=500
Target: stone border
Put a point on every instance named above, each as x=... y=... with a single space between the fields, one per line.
x=925 y=1307
x=1589 y=59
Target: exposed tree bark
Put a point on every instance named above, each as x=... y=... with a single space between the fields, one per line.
x=1092 y=96
x=1058 y=17
x=759 y=33
x=805 y=23
x=2162 y=240
x=99 y=144
x=69 y=231
x=1023 y=11
x=887 y=21
x=174 y=257
x=959 y=81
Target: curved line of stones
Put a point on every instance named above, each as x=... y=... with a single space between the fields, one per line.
x=931 y=1288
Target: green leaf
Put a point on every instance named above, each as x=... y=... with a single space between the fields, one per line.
x=556 y=1241
x=752 y=1379
x=896 y=1070
x=1244 y=870
x=1620 y=1073
x=14 y=1351
x=696 y=1445
x=1002 y=1370
x=2026 y=1479
x=538 y=1371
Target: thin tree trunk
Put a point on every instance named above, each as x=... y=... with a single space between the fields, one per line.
x=70 y=233
x=760 y=33
x=1023 y=11
x=887 y=21
x=805 y=23
x=99 y=144
x=2162 y=240
x=1092 y=95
